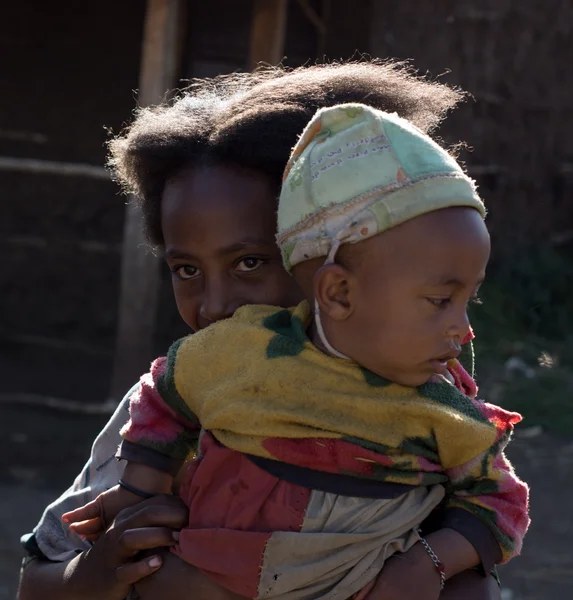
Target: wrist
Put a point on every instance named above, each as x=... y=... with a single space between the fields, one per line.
x=438 y=565
x=147 y=479
x=453 y=551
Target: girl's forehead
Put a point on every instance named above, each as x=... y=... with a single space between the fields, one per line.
x=217 y=206
x=194 y=186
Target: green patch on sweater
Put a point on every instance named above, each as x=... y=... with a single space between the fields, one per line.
x=372 y=446
x=167 y=388
x=182 y=448
x=291 y=334
x=426 y=447
x=474 y=486
x=374 y=380
x=448 y=395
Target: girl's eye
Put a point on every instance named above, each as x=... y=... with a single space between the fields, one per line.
x=439 y=302
x=250 y=263
x=185 y=272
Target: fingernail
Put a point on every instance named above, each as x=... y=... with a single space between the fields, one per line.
x=154 y=562
x=65 y=519
x=176 y=535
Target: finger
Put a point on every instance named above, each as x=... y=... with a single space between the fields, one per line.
x=86 y=528
x=153 y=515
x=91 y=510
x=166 y=500
x=133 y=541
x=130 y=573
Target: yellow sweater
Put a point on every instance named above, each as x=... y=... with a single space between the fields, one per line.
x=262 y=388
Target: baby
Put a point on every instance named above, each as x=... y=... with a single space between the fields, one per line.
x=330 y=431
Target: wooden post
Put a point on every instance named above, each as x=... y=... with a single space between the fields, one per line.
x=268 y=32
x=140 y=275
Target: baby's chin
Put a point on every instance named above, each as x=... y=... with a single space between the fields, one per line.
x=410 y=379
x=413 y=377
x=416 y=379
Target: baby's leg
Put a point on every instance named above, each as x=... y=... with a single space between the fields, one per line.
x=471 y=585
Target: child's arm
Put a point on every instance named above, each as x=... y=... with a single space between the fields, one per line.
x=92 y=519
x=161 y=432
x=488 y=488
x=413 y=576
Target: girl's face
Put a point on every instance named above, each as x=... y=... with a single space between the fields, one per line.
x=219 y=225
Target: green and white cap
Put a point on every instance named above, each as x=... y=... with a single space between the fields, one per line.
x=356 y=172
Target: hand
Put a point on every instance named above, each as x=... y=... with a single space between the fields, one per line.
x=408 y=576
x=111 y=566
x=91 y=520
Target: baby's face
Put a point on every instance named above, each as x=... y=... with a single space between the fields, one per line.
x=410 y=293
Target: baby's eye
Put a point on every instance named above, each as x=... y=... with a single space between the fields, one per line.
x=185 y=272
x=250 y=263
x=439 y=302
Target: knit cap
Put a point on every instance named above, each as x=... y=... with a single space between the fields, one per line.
x=356 y=172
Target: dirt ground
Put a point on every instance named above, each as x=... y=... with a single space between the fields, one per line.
x=42 y=450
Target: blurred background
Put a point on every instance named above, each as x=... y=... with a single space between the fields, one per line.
x=69 y=311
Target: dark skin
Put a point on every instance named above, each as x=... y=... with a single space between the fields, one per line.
x=212 y=277
x=398 y=305
x=218 y=227
x=114 y=562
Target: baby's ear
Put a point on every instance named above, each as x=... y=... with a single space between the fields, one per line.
x=332 y=290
